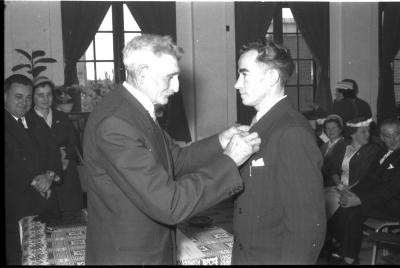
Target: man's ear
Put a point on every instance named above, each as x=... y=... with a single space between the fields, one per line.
x=273 y=77
x=142 y=72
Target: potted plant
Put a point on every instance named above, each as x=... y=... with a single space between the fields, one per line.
x=35 y=59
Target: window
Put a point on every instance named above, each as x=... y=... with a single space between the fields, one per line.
x=101 y=57
x=396 y=77
x=301 y=86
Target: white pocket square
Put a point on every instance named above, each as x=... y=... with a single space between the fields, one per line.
x=257 y=163
x=390 y=166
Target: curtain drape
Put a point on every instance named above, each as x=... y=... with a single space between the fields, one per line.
x=160 y=18
x=386 y=104
x=252 y=20
x=312 y=18
x=80 y=22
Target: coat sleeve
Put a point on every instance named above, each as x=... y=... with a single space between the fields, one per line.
x=301 y=187
x=194 y=156
x=135 y=170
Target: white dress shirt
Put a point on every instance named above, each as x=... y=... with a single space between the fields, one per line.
x=22 y=119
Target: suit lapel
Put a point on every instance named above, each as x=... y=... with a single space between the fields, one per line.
x=151 y=127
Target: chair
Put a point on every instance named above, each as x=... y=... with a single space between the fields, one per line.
x=380 y=234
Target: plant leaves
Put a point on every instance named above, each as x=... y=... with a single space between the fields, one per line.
x=23 y=52
x=38 y=53
x=37 y=70
x=20 y=66
x=45 y=60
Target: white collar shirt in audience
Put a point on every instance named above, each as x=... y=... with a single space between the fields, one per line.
x=142 y=98
x=22 y=119
x=385 y=156
x=48 y=119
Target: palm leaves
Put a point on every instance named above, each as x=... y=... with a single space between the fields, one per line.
x=34 y=59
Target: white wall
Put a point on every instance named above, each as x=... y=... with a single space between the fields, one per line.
x=33 y=25
x=208 y=66
x=354 y=47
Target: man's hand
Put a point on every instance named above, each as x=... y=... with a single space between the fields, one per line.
x=64 y=160
x=240 y=148
x=226 y=136
x=42 y=183
x=349 y=199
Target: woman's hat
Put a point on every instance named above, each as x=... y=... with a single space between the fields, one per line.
x=359 y=122
x=42 y=80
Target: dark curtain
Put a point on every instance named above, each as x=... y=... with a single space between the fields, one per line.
x=80 y=22
x=312 y=18
x=160 y=18
x=252 y=20
x=386 y=105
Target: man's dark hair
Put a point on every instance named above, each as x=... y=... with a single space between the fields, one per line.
x=273 y=55
x=17 y=78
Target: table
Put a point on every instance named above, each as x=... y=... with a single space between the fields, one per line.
x=66 y=245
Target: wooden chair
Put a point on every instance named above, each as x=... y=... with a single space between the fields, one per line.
x=380 y=234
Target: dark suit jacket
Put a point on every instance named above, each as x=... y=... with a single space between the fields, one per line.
x=279 y=218
x=349 y=108
x=69 y=193
x=359 y=163
x=28 y=153
x=379 y=192
x=141 y=185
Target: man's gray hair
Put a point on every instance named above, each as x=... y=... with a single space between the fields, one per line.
x=148 y=44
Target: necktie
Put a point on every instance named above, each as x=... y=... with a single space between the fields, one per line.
x=20 y=123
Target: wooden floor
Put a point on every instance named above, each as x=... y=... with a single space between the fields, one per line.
x=222 y=216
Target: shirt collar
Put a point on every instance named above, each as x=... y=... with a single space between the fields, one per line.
x=142 y=98
x=270 y=102
x=22 y=118
x=48 y=119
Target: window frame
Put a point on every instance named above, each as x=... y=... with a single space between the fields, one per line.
x=278 y=37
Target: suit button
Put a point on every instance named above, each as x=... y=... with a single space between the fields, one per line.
x=314 y=245
x=318 y=224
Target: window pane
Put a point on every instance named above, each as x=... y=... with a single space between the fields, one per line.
x=288 y=23
x=305 y=72
x=89 y=53
x=105 y=70
x=104 y=46
x=291 y=92
x=290 y=42
x=130 y=23
x=85 y=72
x=293 y=79
x=306 y=99
x=128 y=37
x=106 y=25
x=304 y=51
x=396 y=71
x=271 y=27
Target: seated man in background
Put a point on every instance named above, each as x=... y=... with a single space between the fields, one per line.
x=32 y=163
x=377 y=195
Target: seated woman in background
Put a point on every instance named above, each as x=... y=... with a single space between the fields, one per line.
x=332 y=126
x=69 y=193
x=349 y=161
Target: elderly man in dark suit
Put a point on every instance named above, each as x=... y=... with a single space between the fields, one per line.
x=140 y=185
x=32 y=163
x=377 y=195
x=279 y=218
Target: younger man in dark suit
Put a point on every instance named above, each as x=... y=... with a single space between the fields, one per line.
x=377 y=195
x=280 y=216
x=31 y=164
